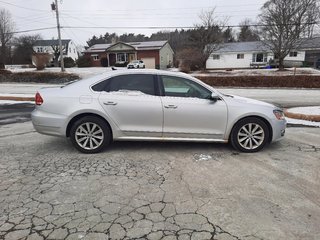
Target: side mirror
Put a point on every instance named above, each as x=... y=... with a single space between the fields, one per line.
x=214 y=97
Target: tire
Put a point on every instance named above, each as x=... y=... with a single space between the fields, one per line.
x=250 y=135
x=90 y=134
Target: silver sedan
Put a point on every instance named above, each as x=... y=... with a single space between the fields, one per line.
x=153 y=105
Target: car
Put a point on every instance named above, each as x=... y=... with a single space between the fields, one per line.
x=153 y=105
x=136 y=64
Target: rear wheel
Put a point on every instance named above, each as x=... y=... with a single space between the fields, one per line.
x=250 y=135
x=90 y=134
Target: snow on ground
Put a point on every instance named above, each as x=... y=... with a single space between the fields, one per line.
x=22 y=95
x=302 y=122
x=305 y=110
x=90 y=71
x=82 y=72
x=257 y=72
x=10 y=102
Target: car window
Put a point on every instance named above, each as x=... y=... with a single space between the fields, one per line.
x=132 y=82
x=181 y=87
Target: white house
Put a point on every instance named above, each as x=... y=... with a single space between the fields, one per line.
x=49 y=46
x=256 y=54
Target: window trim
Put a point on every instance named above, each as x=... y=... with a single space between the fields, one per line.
x=162 y=90
x=240 y=56
x=106 y=82
x=216 y=57
x=293 y=54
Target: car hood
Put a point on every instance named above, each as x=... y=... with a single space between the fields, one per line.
x=244 y=100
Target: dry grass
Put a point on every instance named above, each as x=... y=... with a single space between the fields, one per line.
x=313 y=118
x=38 y=77
x=12 y=98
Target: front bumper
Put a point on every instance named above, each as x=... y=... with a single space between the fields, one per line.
x=279 y=129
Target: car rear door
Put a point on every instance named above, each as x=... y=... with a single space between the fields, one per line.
x=132 y=103
x=189 y=112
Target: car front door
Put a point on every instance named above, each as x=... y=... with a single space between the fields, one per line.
x=189 y=112
x=131 y=102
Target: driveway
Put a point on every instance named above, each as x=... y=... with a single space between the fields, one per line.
x=143 y=190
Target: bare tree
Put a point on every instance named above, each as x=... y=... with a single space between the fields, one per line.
x=6 y=34
x=207 y=35
x=56 y=53
x=247 y=32
x=286 y=23
x=24 y=48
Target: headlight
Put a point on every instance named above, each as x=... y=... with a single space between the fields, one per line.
x=279 y=114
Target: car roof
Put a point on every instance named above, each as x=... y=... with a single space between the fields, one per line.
x=108 y=74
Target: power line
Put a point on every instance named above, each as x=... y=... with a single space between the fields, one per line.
x=33 y=30
x=26 y=8
x=157 y=27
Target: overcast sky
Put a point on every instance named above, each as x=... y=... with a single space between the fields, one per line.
x=116 y=16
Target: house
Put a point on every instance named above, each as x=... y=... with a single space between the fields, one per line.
x=52 y=47
x=256 y=54
x=155 y=54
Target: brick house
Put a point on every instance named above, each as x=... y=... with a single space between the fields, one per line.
x=155 y=54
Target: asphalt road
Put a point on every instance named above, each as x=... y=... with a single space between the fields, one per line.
x=141 y=190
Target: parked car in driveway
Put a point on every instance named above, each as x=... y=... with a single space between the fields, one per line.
x=136 y=64
x=153 y=105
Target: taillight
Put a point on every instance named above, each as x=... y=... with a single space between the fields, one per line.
x=38 y=99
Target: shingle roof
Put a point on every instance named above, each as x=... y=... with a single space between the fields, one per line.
x=51 y=42
x=313 y=43
x=150 y=45
x=242 y=47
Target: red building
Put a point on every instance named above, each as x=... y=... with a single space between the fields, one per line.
x=155 y=54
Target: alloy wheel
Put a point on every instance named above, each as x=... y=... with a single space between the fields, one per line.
x=251 y=136
x=89 y=136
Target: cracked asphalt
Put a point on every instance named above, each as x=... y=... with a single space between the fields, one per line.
x=139 y=190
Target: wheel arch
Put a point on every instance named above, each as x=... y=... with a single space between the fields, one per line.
x=81 y=115
x=258 y=117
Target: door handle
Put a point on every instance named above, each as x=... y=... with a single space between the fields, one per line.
x=110 y=103
x=171 y=106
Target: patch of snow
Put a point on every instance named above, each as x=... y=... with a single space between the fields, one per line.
x=302 y=122
x=10 y=102
x=305 y=110
x=17 y=95
x=202 y=157
x=257 y=72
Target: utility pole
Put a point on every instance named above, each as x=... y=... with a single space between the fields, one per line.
x=55 y=7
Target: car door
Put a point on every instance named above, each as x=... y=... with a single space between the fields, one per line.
x=189 y=112
x=131 y=102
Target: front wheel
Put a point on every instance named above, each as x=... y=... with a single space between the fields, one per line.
x=249 y=135
x=90 y=134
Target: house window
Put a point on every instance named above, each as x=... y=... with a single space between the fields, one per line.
x=95 y=57
x=259 y=57
x=70 y=50
x=215 y=57
x=240 y=56
x=293 y=54
x=122 y=57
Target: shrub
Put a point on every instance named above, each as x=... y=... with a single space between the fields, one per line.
x=83 y=61
x=121 y=64
x=68 y=62
x=40 y=60
x=189 y=60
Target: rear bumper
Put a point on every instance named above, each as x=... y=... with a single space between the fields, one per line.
x=48 y=123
